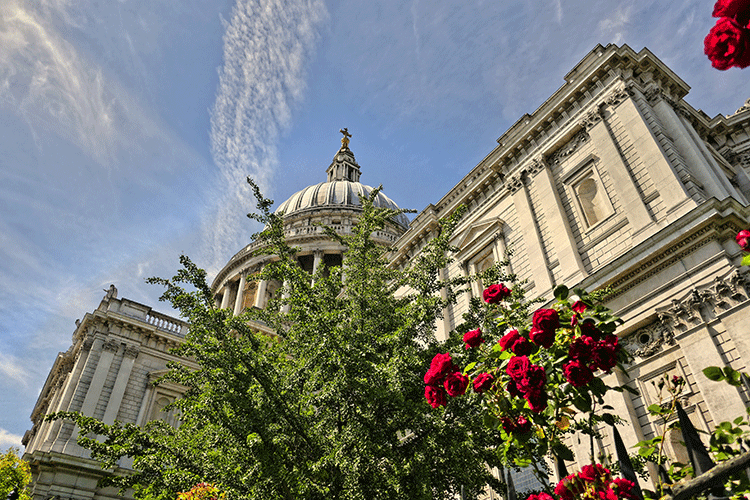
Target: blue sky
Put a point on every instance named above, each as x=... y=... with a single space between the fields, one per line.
x=127 y=127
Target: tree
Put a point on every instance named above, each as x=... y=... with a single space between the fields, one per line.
x=331 y=406
x=15 y=473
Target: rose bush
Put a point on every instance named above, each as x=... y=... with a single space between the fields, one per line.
x=533 y=370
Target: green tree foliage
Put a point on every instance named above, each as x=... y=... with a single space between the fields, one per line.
x=14 y=474
x=332 y=406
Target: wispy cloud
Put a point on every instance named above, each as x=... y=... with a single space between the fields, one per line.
x=8 y=439
x=12 y=368
x=615 y=27
x=267 y=47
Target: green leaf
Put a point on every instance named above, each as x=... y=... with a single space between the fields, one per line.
x=745 y=260
x=713 y=373
x=562 y=451
x=582 y=402
x=469 y=367
x=656 y=409
x=608 y=418
x=561 y=292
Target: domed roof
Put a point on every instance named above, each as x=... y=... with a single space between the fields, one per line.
x=342 y=189
x=333 y=194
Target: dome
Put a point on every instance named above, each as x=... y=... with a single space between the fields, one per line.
x=334 y=194
x=341 y=190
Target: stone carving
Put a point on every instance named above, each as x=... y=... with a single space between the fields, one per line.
x=618 y=95
x=537 y=165
x=647 y=341
x=569 y=148
x=592 y=118
x=705 y=303
x=111 y=345
x=132 y=351
x=514 y=183
x=744 y=107
x=111 y=293
x=88 y=342
x=653 y=93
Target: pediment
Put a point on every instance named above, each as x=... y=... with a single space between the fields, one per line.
x=478 y=231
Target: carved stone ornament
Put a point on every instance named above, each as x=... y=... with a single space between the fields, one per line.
x=88 y=342
x=111 y=345
x=705 y=303
x=569 y=148
x=132 y=351
x=647 y=341
x=537 y=165
x=592 y=118
x=514 y=183
x=744 y=107
x=653 y=93
x=618 y=95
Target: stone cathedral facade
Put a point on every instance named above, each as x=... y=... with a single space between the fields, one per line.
x=614 y=180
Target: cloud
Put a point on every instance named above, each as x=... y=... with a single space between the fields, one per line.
x=614 y=28
x=8 y=439
x=267 y=47
x=11 y=368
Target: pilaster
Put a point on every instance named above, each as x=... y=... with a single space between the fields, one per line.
x=562 y=236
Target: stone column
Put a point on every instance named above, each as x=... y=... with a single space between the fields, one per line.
x=94 y=392
x=531 y=237
x=284 y=286
x=121 y=383
x=476 y=287
x=665 y=178
x=225 y=297
x=240 y=293
x=70 y=388
x=687 y=148
x=317 y=259
x=260 y=298
x=611 y=159
x=561 y=233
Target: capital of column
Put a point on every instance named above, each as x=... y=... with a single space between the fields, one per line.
x=514 y=183
x=592 y=118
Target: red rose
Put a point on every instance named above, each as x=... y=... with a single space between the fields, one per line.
x=543 y=338
x=562 y=490
x=604 y=356
x=541 y=496
x=508 y=340
x=473 y=338
x=435 y=396
x=523 y=425
x=578 y=307
x=483 y=382
x=495 y=293
x=589 y=329
x=580 y=348
x=441 y=365
x=591 y=472
x=517 y=367
x=624 y=488
x=739 y=10
x=537 y=400
x=534 y=379
x=546 y=320
x=727 y=45
x=509 y=425
x=455 y=384
x=577 y=373
x=743 y=240
x=516 y=343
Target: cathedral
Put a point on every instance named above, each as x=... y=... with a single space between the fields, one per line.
x=613 y=181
